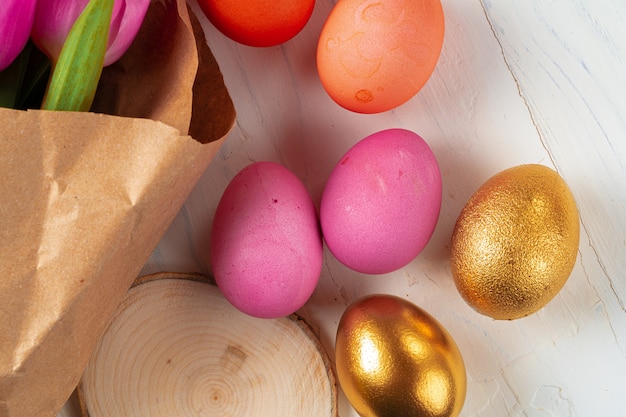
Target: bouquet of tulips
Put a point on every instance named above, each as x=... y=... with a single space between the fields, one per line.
x=78 y=38
x=111 y=110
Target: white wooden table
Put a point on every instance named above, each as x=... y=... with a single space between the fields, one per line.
x=518 y=82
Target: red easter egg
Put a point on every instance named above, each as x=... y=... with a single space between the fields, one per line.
x=258 y=22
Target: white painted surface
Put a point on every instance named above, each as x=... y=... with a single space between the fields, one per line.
x=518 y=82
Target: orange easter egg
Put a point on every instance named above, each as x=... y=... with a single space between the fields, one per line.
x=373 y=56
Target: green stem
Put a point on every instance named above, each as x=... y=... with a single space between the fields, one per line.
x=12 y=77
x=34 y=84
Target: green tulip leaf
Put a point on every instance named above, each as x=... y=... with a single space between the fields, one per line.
x=75 y=75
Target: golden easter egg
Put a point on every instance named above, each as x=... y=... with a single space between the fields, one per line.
x=394 y=359
x=515 y=242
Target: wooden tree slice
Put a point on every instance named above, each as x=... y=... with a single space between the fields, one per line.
x=176 y=347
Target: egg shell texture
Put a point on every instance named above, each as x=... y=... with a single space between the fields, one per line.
x=258 y=23
x=515 y=242
x=394 y=359
x=381 y=202
x=266 y=245
x=373 y=56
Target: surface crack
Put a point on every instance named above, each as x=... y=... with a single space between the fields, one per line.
x=517 y=84
x=340 y=289
x=602 y=268
x=600 y=301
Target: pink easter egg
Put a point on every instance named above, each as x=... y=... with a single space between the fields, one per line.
x=381 y=203
x=266 y=245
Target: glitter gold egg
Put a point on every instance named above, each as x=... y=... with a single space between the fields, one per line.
x=394 y=359
x=515 y=242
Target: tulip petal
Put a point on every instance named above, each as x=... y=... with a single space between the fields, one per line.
x=16 y=20
x=53 y=21
x=133 y=16
x=119 y=8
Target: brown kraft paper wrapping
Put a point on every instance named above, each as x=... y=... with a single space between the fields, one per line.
x=85 y=198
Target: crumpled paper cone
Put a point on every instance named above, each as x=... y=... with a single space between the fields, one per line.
x=85 y=198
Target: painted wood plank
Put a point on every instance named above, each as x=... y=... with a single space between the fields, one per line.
x=517 y=82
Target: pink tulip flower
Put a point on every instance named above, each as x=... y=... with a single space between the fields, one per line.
x=16 y=19
x=54 y=19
